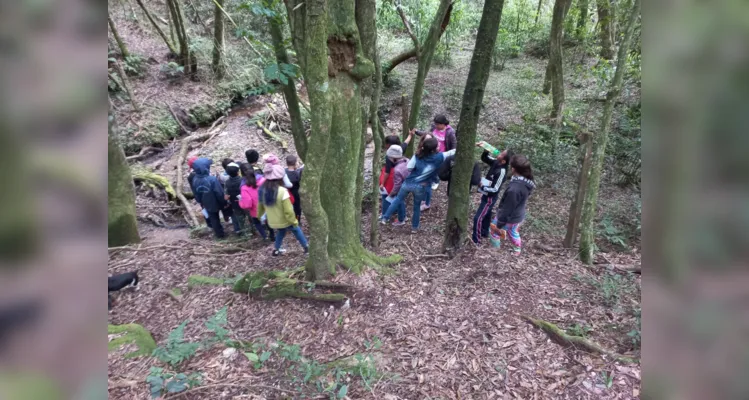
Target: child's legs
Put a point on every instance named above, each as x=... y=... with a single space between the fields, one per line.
x=298 y=208
x=226 y=212
x=400 y=199
x=279 y=237
x=237 y=217
x=402 y=212
x=427 y=198
x=478 y=219
x=419 y=192
x=215 y=222
x=487 y=220
x=513 y=235
x=299 y=235
x=385 y=204
x=260 y=227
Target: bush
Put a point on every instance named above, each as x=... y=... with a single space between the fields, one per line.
x=172 y=71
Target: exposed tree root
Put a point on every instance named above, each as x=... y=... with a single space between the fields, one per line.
x=270 y=285
x=153 y=180
x=356 y=261
x=561 y=338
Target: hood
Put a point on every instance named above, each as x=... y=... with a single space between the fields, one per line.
x=519 y=180
x=202 y=166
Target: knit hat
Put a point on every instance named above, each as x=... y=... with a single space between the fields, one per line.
x=395 y=151
x=271 y=159
x=191 y=161
x=232 y=169
x=252 y=156
x=273 y=172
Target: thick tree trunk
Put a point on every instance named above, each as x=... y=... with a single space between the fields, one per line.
x=123 y=48
x=219 y=68
x=126 y=85
x=473 y=95
x=289 y=90
x=555 y=68
x=122 y=226
x=605 y=23
x=425 y=62
x=582 y=20
x=576 y=208
x=587 y=230
x=169 y=44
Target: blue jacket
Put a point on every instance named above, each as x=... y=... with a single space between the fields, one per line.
x=425 y=169
x=206 y=188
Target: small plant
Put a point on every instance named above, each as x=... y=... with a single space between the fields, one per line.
x=375 y=344
x=579 y=330
x=217 y=325
x=635 y=334
x=611 y=232
x=256 y=357
x=172 y=70
x=134 y=65
x=175 y=350
x=288 y=352
x=162 y=382
x=607 y=378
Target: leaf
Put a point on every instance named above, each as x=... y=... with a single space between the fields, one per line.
x=176 y=386
x=252 y=356
x=342 y=391
x=265 y=356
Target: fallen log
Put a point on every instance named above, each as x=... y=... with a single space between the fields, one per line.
x=271 y=285
x=272 y=135
x=143 y=152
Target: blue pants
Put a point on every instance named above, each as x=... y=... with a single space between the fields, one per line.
x=260 y=227
x=401 y=210
x=296 y=230
x=483 y=218
x=419 y=192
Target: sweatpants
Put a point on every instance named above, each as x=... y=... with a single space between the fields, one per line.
x=483 y=218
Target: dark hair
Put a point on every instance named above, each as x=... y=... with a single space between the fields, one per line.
x=252 y=156
x=427 y=147
x=391 y=140
x=441 y=119
x=268 y=192
x=291 y=160
x=232 y=171
x=508 y=156
x=522 y=166
x=225 y=162
x=249 y=175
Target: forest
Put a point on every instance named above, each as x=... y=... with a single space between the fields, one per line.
x=227 y=281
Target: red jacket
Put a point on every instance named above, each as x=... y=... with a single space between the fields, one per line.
x=389 y=184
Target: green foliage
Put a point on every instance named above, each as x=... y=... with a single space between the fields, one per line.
x=281 y=72
x=131 y=333
x=607 y=378
x=134 y=65
x=375 y=344
x=217 y=325
x=176 y=350
x=610 y=288
x=162 y=382
x=172 y=70
x=625 y=149
x=635 y=334
x=205 y=114
x=579 y=330
x=609 y=231
x=537 y=142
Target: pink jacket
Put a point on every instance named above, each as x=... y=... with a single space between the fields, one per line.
x=249 y=200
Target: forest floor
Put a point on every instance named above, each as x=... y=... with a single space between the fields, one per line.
x=434 y=328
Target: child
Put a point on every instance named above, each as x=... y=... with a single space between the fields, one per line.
x=271 y=158
x=489 y=190
x=400 y=173
x=512 y=207
x=233 y=190
x=446 y=136
x=252 y=158
x=295 y=176
x=248 y=200
x=190 y=177
x=222 y=178
x=427 y=203
x=208 y=193
x=390 y=141
x=274 y=200
x=446 y=171
x=423 y=167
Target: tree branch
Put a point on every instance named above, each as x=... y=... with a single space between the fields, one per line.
x=408 y=28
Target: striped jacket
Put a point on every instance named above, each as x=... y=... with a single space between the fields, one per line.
x=496 y=175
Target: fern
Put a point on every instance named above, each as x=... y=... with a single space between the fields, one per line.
x=217 y=325
x=175 y=350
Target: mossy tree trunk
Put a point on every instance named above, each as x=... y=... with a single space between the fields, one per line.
x=587 y=229
x=605 y=24
x=576 y=207
x=409 y=54
x=219 y=68
x=555 y=69
x=473 y=95
x=538 y=12
x=156 y=26
x=126 y=85
x=121 y=44
x=334 y=67
x=582 y=20
x=289 y=90
x=122 y=226
x=425 y=62
x=186 y=58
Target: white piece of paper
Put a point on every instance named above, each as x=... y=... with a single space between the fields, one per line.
x=390 y=199
x=383 y=191
x=485 y=182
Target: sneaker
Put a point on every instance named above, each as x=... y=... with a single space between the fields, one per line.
x=399 y=223
x=383 y=222
x=414 y=231
x=435 y=186
x=306 y=250
x=279 y=252
x=424 y=207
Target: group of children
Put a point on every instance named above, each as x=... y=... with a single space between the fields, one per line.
x=267 y=197
x=433 y=161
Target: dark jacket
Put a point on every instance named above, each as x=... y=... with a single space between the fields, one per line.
x=206 y=188
x=512 y=205
x=496 y=175
x=446 y=171
x=233 y=188
x=295 y=177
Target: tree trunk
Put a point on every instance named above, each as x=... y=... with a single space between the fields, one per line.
x=186 y=58
x=219 y=68
x=334 y=87
x=404 y=116
x=587 y=230
x=126 y=85
x=605 y=25
x=555 y=69
x=407 y=55
x=582 y=21
x=576 y=208
x=538 y=12
x=122 y=226
x=157 y=27
x=289 y=89
x=123 y=48
x=425 y=62
x=171 y=24
x=456 y=222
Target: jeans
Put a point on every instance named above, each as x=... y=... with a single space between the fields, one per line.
x=419 y=192
x=260 y=227
x=296 y=230
x=214 y=221
x=401 y=210
x=483 y=218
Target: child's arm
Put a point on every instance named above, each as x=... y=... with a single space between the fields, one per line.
x=487 y=159
x=495 y=182
x=405 y=143
x=288 y=211
x=509 y=203
x=287 y=181
x=411 y=163
x=448 y=153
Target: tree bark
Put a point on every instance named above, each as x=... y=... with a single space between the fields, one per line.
x=425 y=62
x=122 y=226
x=576 y=208
x=456 y=222
x=289 y=89
x=219 y=68
x=587 y=230
x=397 y=60
x=555 y=68
x=605 y=24
x=126 y=85
x=169 y=44
x=186 y=58
x=582 y=21
x=123 y=48
x=404 y=116
x=538 y=12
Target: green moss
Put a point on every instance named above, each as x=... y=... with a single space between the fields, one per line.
x=200 y=280
x=177 y=292
x=364 y=68
x=271 y=285
x=133 y=333
x=153 y=180
x=205 y=114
